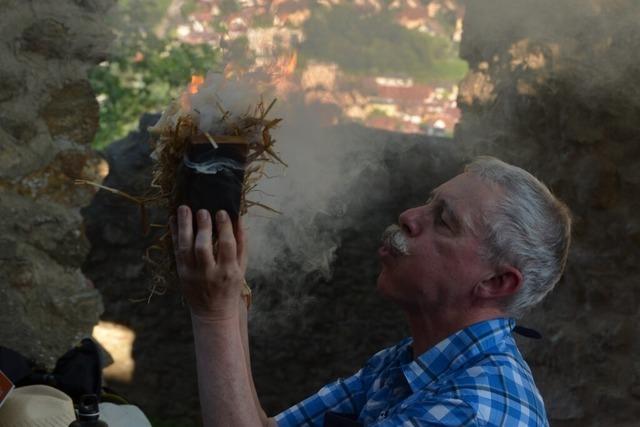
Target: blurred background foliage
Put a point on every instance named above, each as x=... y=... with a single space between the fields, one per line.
x=364 y=44
x=148 y=66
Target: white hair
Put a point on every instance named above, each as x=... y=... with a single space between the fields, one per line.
x=528 y=228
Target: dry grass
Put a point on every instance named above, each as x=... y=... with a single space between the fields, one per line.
x=251 y=129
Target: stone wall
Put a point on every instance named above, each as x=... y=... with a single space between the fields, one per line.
x=48 y=116
x=554 y=87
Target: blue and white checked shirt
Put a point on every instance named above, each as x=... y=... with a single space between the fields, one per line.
x=475 y=377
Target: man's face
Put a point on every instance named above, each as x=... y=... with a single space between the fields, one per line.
x=443 y=262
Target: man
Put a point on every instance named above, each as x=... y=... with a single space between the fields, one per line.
x=489 y=244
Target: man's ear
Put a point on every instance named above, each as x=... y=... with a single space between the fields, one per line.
x=503 y=284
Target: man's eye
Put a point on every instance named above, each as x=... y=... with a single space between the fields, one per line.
x=440 y=220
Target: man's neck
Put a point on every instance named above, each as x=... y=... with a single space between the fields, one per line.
x=428 y=330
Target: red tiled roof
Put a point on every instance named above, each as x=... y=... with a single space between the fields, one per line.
x=413 y=13
x=291 y=7
x=383 y=123
x=416 y=93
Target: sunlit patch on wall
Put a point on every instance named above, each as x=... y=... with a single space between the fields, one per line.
x=118 y=341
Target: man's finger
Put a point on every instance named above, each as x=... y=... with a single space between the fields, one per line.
x=173 y=226
x=204 y=245
x=241 y=243
x=226 y=239
x=184 y=249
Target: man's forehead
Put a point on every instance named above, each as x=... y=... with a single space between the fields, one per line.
x=466 y=196
x=464 y=187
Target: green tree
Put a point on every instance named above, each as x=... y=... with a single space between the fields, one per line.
x=373 y=43
x=145 y=71
x=228 y=7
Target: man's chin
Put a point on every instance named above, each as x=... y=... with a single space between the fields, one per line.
x=384 y=285
x=386 y=290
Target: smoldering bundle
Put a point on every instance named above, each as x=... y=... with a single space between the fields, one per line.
x=210 y=148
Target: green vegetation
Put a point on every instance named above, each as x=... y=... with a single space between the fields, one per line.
x=228 y=7
x=376 y=114
x=145 y=70
x=375 y=44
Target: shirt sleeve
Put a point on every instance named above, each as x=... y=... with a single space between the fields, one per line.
x=448 y=412
x=346 y=396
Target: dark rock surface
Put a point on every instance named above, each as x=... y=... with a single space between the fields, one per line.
x=554 y=87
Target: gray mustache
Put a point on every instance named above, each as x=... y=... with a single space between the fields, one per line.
x=395 y=239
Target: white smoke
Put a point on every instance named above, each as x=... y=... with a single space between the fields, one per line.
x=311 y=185
x=311 y=193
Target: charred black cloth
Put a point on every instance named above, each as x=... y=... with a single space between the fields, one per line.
x=527 y=332
x=333 y=419
x=212 y=179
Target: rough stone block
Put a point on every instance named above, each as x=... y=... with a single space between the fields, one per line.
x=51 y=306
x=18 y=129
x=95 y=6
x=48 y=226
x=72 y=112
x=11 y=85
x=47 y=37
x=18 y=158
x=56 y=181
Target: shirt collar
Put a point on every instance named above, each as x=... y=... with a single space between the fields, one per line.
x=455 y=350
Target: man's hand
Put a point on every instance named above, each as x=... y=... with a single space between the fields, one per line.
x=212 y=280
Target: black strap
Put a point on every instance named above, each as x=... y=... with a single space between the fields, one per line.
x=79 y=371
x=527 y=332
x=334 y=419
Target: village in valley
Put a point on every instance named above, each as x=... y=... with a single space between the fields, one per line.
x=277 y=33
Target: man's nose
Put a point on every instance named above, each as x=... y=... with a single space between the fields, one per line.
x=409 y=221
